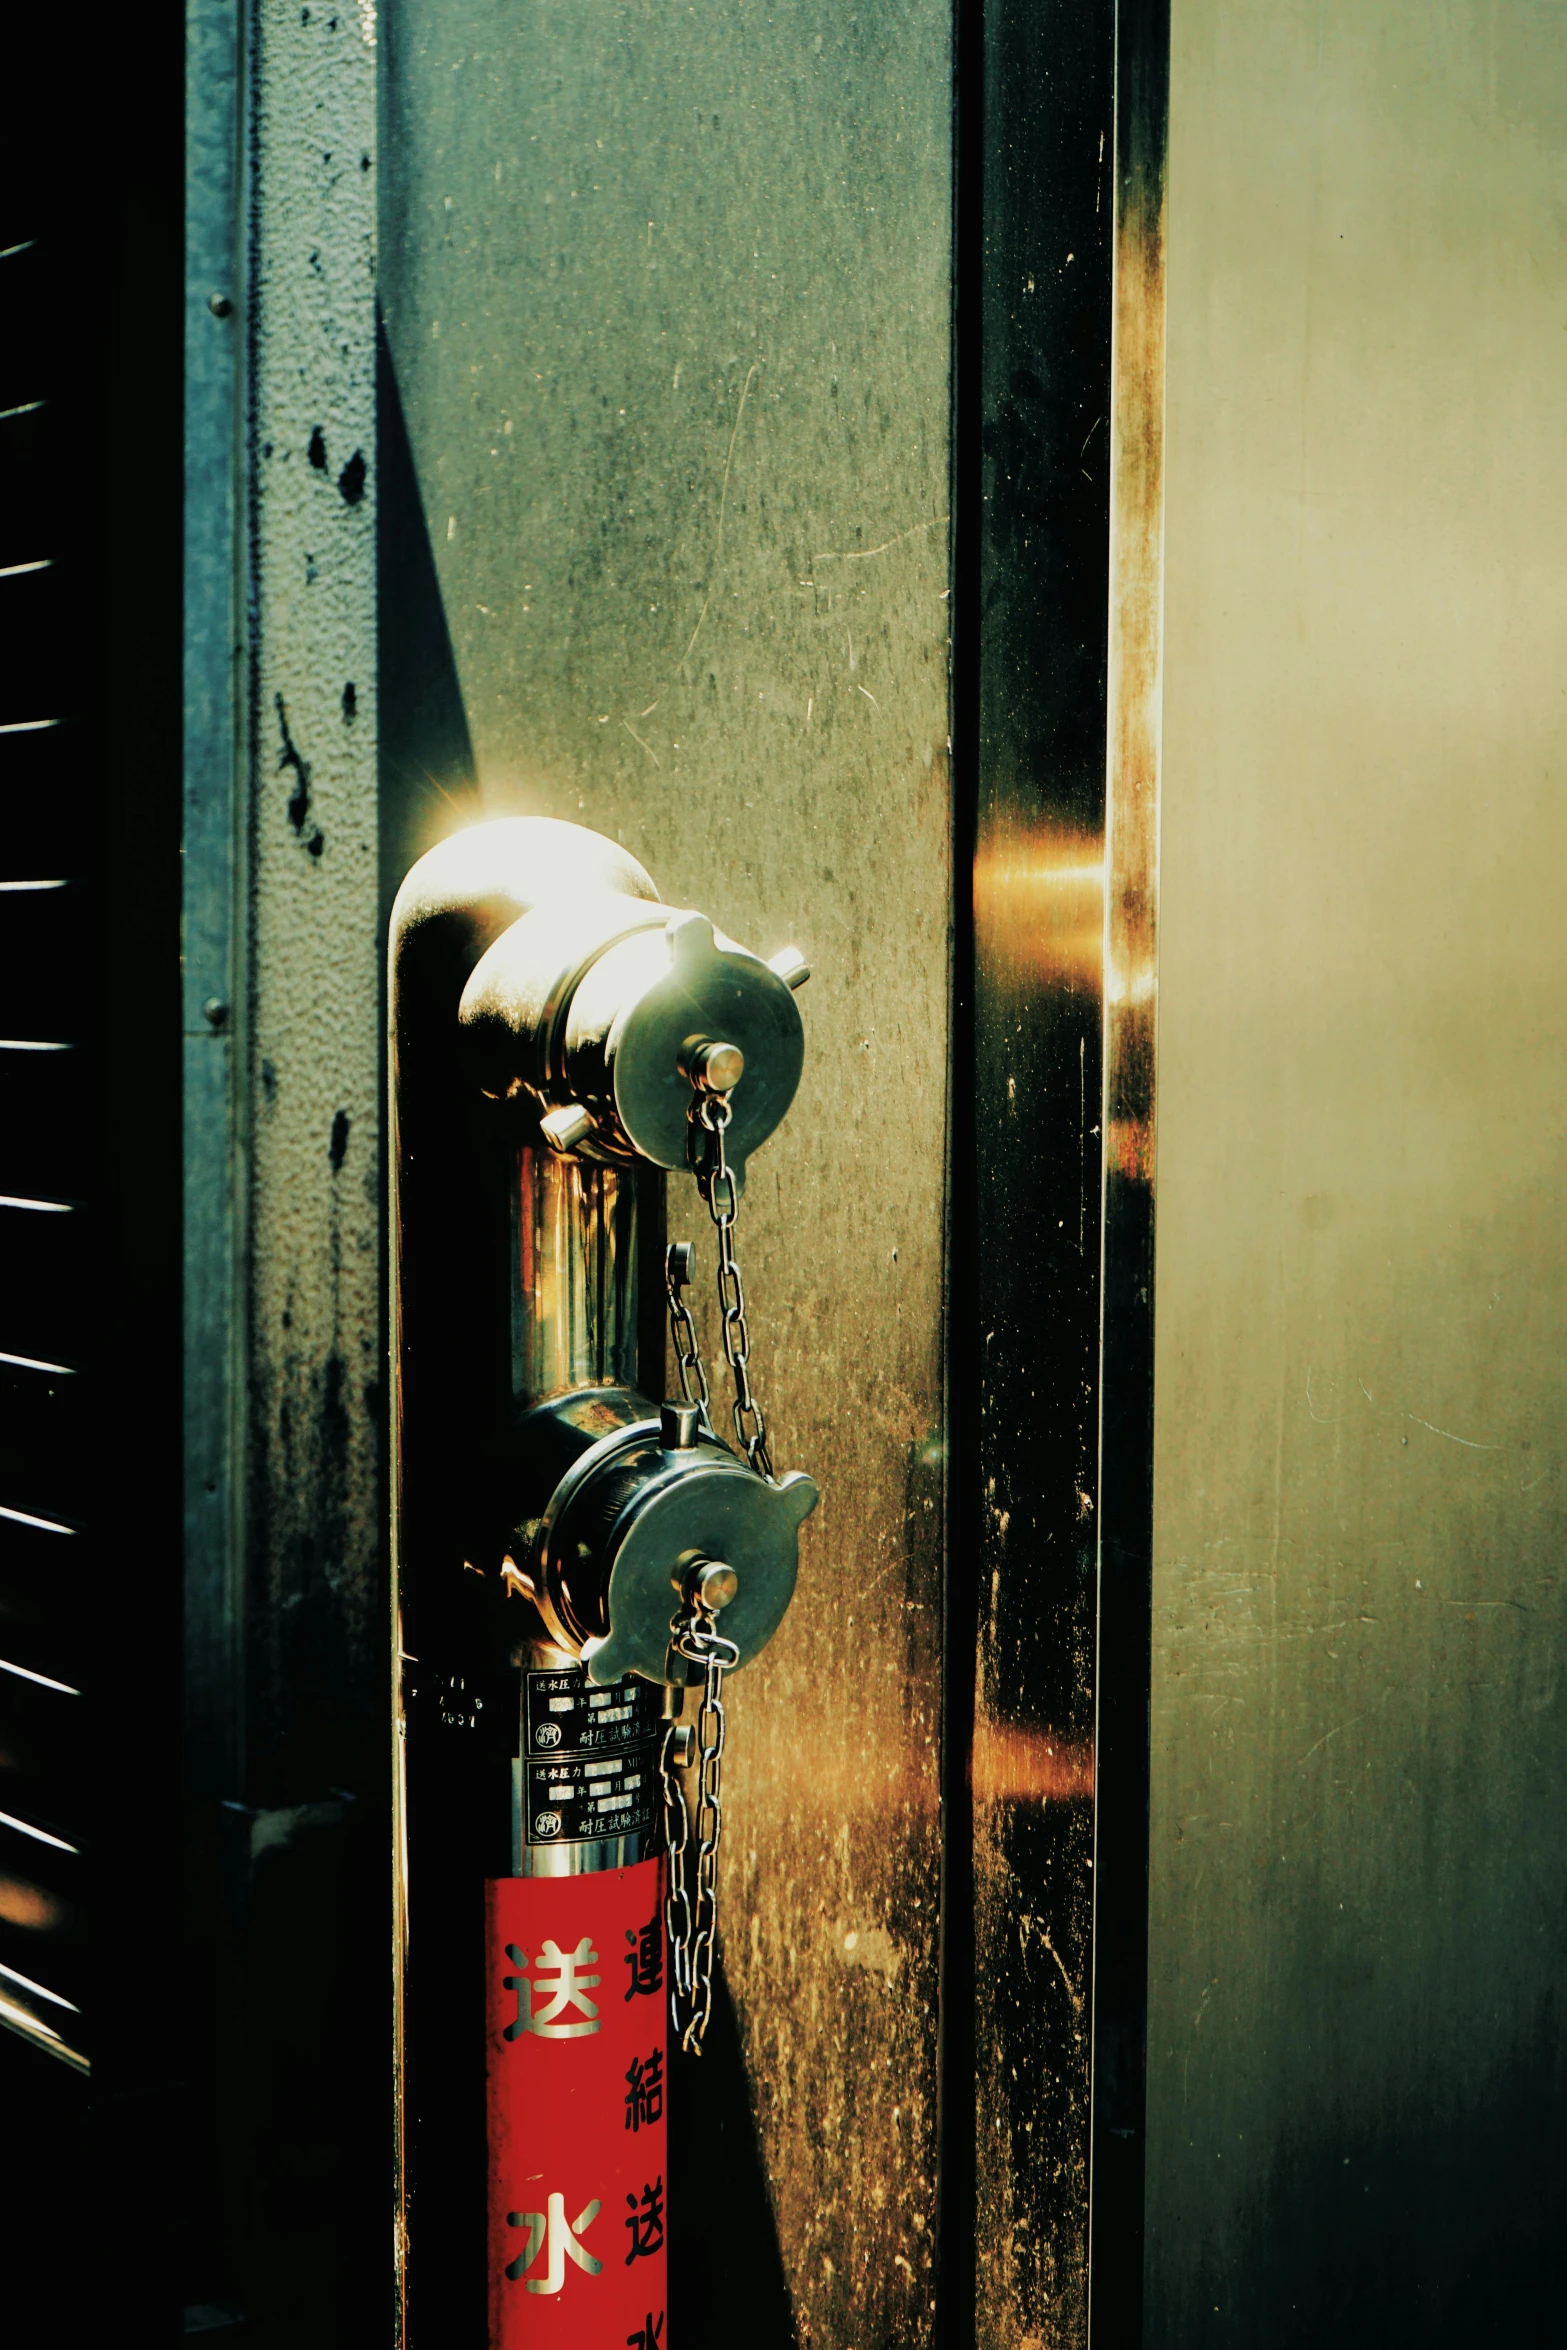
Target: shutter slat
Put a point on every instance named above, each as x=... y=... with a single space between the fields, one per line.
x=48 y=991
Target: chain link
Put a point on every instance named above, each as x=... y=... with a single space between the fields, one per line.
x=715 y=1180
x=679 y=1922
x=691 y=1911
x=682 y=1332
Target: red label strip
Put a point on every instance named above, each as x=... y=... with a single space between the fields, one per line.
x=577 y=2063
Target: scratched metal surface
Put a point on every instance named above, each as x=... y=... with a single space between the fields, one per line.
x=666 y=408
x=1359 y=1882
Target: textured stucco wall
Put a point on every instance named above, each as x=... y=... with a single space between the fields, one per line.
x=313 y=1632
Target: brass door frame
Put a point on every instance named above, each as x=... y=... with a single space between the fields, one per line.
x=1060 y=348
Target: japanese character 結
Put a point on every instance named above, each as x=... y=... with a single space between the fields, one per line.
x=645 y=2089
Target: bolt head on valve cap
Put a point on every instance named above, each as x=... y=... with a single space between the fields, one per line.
x=714 y=1584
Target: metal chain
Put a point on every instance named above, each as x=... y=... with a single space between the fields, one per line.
x=715 y=1181
x=682 y=1331
x=691 y=1911
x=679 y=1923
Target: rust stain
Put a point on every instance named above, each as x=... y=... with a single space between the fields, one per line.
x=1130 y=1148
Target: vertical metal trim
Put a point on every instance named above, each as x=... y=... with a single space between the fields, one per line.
x=1032 y=648
x=210 y=975
x=956 y=2214
x=1134 y=697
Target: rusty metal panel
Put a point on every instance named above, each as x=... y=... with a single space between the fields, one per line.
x=667 y=300
x=1358 y=1883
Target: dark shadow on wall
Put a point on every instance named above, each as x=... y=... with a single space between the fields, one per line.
x=1443 y=2227
x=726 y=2272
x=304 y=2078
x=428 y=781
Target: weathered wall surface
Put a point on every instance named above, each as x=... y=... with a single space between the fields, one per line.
x=315 y=1651
x=286 y=1653
x=666 y=298
x=1359 y=1897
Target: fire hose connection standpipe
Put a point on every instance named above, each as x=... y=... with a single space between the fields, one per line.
x=579 y=1563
